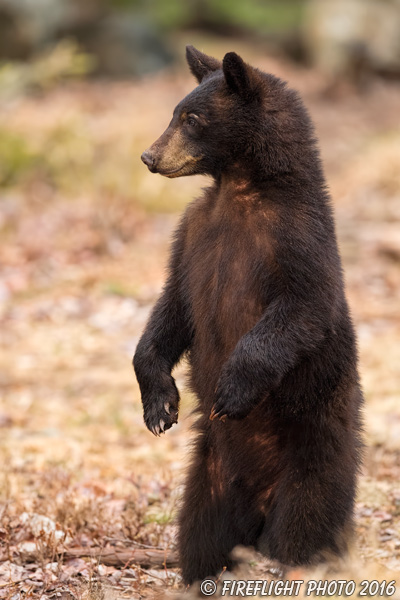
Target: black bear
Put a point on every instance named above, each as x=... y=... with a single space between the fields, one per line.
x=255 y=300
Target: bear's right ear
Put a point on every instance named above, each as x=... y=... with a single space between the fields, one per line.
x=200 y=64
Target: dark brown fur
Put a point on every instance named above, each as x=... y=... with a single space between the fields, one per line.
x=255 y=298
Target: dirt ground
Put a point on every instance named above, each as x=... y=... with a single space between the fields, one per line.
x=84 y=234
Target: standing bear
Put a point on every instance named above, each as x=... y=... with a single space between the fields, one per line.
x=255 y=300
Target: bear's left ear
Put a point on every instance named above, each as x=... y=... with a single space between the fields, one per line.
x=239 y=76
x=200 y=64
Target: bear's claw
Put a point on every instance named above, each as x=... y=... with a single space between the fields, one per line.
x=161 y=410
x=159 y=424
x=217 y=415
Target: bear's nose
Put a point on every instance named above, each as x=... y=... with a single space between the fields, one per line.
x=148 y=159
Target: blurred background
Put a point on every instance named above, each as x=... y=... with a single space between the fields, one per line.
x=85 y=87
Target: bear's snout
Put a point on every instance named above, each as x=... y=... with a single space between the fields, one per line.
x=149 y=160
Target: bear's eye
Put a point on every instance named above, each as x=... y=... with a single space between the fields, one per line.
x=192 y=121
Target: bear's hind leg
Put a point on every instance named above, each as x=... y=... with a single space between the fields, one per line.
x=311 y=513
x=207 y=528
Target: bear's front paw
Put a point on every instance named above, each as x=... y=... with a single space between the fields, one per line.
x=231 y=403
x=161 y=412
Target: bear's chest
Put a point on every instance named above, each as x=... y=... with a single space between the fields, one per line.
x=227 y=273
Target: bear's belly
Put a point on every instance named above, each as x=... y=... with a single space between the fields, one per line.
x=245 y=455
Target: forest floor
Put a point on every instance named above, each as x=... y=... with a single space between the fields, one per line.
x=84 y=236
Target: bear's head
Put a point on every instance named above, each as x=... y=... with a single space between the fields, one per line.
x=237 y=118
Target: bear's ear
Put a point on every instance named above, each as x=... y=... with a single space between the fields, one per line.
x=200 y=64
x=239 y=76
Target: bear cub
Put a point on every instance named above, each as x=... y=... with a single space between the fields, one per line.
x=255 y=300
